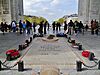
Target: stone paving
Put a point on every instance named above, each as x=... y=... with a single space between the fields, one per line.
x=59 y=54
x=90 y=42
x=11 y=41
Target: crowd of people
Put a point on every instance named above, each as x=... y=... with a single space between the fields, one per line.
x=94 y=27
x=24 y=27
x=14 y=27
x=69 y=28
x=56 y=26
x=76 y=27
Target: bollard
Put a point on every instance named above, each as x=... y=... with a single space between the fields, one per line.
x=99 y=65
x=69 y=39
x=20 y=66
x=0 y=65
x=34 y=36
x=80 y=47
x=73 y=42
x=79 y=65
x=24 y=46
x=27 y=42
x=20 y=47
x=8 y=57
x=91 y=56
x=30 y=39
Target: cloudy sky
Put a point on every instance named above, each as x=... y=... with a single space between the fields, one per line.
x=50 y=9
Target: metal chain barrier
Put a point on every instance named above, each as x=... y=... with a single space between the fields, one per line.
x=96 y=62
x=90 y=66
x=4 y=61
x=9 y=67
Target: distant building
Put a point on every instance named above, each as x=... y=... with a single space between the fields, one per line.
x=72 y=17
x=88 y=10
x=11 y=10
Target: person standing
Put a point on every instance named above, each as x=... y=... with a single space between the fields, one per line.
x=59 y=26
x=41 y=28
x=93 y=26
x=2 y=27
x=45 y=24
x=80 y=26
x=76 y=27
x=20 y=26
x=53 y=26
x=24 y=27
x=97 y=28
x=5 y=27
x=70 y=25
x=13 y=25
x=86 y=27
x=28 y=26
x=34 y=26
x=48 y=25
x=65 y=26
x=9 y=28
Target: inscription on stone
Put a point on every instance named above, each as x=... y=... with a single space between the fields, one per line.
x=49 y=49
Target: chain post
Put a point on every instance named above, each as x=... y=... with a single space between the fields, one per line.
x=79 y=65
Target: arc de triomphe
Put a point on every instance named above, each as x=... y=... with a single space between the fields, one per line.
x=87 y=10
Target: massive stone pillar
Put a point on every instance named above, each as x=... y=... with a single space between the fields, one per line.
x=88 y=10
x=5 y=11
x=94 y=10
x=11 y=10
x=0 y=10
x=14 y=9
x=20 y=13
x=83 y=10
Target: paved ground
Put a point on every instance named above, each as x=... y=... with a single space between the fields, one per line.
x=90 y=42
x=11 y=41
x=59 y=54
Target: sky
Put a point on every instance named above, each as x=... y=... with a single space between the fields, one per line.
x=50 y=9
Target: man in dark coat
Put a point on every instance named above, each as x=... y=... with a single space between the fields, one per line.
x=70 y=25
x=20 y=26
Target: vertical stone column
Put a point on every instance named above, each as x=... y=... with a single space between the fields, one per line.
x=6 y=16
x=94 y=10
x=87 y=4
x=83 y=10
x=9 y=10
x=16 y=9
x=20 y=13
x=88 y=10
x=13 y=9
x=0 y=11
